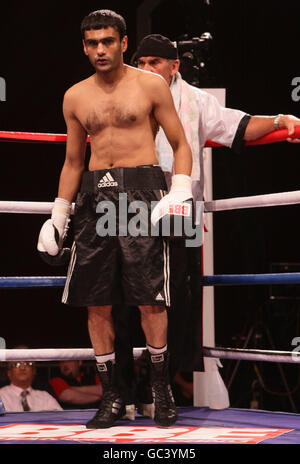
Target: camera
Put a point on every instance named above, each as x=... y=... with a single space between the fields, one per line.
x=195 y=55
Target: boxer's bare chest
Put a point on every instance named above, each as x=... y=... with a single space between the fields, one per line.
x=124 y=107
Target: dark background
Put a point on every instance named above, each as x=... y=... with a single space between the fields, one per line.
x=254 y=55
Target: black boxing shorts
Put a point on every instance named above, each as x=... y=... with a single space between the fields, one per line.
x=114 y=258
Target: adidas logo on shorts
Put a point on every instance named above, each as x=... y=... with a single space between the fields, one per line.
x=107 y=181
x=159 y=297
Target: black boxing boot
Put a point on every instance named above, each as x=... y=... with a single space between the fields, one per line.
x=112 y=406
x=144 y=399
x=165 y=412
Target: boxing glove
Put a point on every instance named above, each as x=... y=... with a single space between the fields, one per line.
x=175 y=210
x=53 y=234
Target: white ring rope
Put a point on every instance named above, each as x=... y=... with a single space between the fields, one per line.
x=87 y=354
x=256 y=201
x=27 y=207
x=271 y=199
x=253 y=355
x=54 y=354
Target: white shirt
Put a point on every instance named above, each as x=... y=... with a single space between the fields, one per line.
x=215 y=122
x=38 y=400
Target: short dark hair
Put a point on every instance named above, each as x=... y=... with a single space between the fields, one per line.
x=100 y=19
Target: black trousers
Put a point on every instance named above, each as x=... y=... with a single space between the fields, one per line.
x=185 y=328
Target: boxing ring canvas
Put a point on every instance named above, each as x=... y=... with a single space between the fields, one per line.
x=195 y=426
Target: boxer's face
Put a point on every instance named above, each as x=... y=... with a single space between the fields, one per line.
x=166 y=68
x=104 y=48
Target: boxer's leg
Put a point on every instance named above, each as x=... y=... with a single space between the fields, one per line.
x=101 y=329
x=124 y=324
x=154 y=321
x=102 y=335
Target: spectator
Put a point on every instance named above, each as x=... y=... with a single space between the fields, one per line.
x=19 y=394
x=73 y=386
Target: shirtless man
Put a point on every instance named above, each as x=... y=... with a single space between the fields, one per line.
x=120 y=108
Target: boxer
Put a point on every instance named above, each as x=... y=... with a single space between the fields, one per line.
x=121 y=108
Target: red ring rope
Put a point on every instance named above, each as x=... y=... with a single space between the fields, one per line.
x=9 y=136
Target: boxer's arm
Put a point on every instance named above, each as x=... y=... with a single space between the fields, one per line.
x=262 y=125
x=181 y=187
x=54 y=230
x=167 y=117
x=73 y=167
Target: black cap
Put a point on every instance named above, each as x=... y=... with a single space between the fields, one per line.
x=157 y=45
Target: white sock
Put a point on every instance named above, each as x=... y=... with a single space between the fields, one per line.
x=154 y=350
x=103 y=358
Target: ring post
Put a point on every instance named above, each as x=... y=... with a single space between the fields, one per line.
x=209 y=388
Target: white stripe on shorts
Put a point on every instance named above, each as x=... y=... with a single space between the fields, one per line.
x=166 y=272
x=69 y=274
x=166 y=257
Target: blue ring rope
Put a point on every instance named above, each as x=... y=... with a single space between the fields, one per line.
x=25 y=282
x=251 y=279
x=213 y=280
